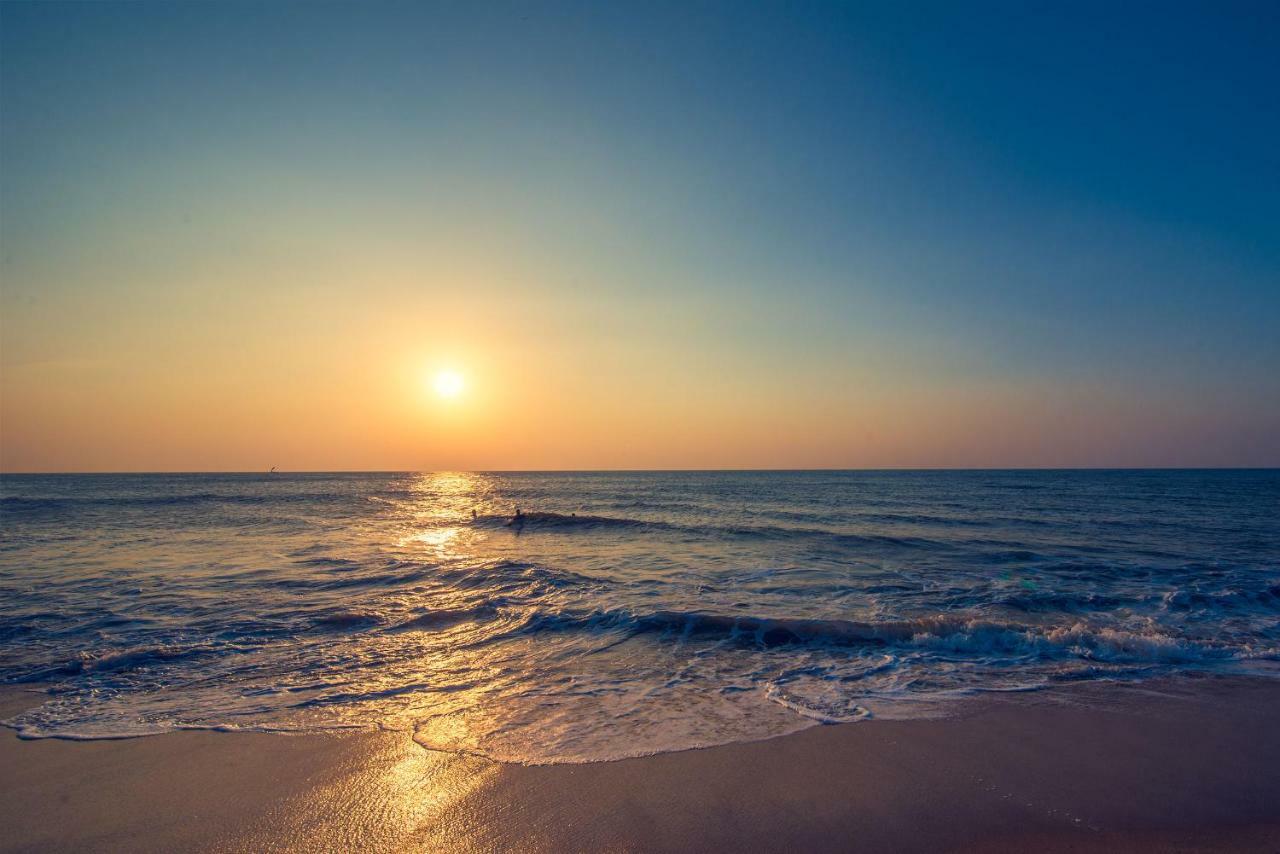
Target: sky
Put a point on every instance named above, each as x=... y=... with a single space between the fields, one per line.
x=646 y=235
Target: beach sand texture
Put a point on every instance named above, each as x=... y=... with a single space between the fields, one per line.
x=1186 y=764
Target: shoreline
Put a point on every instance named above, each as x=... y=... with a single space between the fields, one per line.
x=1184 y=763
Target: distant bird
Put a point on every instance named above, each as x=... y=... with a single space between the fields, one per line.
x=273 y=470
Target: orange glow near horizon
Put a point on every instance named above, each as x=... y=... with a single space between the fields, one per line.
x=550 y=376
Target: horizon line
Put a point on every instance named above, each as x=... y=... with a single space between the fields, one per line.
x=644 y=470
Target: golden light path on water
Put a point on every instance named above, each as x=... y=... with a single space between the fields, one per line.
x=445 y=653
x=442 y=500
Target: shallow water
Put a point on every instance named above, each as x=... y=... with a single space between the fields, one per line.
x=628 y=613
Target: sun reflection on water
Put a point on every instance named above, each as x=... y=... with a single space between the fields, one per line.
x=444 y=504
x=437 y=537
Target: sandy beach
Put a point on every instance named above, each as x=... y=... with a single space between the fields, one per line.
x=1184 y=764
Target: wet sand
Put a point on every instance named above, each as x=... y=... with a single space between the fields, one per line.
x=1181 y=765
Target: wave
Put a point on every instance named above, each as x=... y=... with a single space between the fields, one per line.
x=573 y=521
x=845 y=539
x=18 y=508
x=534 y=521
x=1065 y=602
x=348 y=620
x=445 y=618
x=136 y=658
x=953 y=634
x=961 y=635
x=21 y=506
x=395 y=573
x=1226 y=600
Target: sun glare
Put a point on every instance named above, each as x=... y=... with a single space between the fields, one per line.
x=448 y=384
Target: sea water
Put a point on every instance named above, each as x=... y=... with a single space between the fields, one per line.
x=626 y=613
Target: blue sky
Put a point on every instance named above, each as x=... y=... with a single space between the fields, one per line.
x=1027 y=206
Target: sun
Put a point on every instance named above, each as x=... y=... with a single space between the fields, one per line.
x=448 y=383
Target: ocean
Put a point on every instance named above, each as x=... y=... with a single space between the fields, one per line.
x=627 y=613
